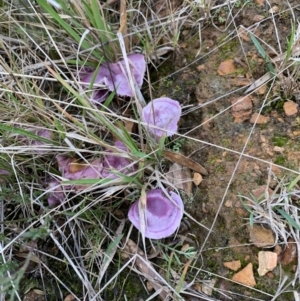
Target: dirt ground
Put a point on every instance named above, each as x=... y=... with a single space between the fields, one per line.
x=198 y=83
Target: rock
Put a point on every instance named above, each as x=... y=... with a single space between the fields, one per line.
x=207 y=286
x=267 y=261
x=274 y=9
x=242 y=81
x=265 y=146
x=70 y=297
x=197 y=287
x=276 y=170
x=261 y=90
x=258 y=18
x=278 y=149
x=261 y=237
x=35 y=295
x=241 y=109
x=183 y=45
x=185 y=247
x=149 y=286
x=270 y=275
x=201 y=67
x=260 y=2
x=278 y=249
x=207 y=123
x=228 y=203
x=245 y=276
x=290 y=108
x=197 y=179
x=226 y=67
x=289 y=255
x=232 y=265
x=296 y=133
x=243 y=34
x=260 y=120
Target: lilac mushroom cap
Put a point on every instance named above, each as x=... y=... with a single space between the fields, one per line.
x=162 y=215
x=72 y=170
x=137 y=65
x=164 y=113
x=114 y=164
x=44 y=133
x=86 y=75
x=56 y=193
x=114 y=77
x=4 y=172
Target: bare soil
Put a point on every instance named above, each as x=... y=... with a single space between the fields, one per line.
x=196 y=82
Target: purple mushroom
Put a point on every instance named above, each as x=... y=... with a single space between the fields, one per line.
x=114 y=164
x=114 y=77
x=72 y=170
x=4 y=172
x=56 y=193
x=164 y=113
x=162 y=215
x=43 y=133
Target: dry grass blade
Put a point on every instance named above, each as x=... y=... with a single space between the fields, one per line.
x=123 y=23
x=146 y=268
x=112 y=251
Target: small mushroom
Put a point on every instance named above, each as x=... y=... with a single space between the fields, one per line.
x=114 y=164
x=44 y=133
x=4 y=172
x=56 y=193
x=162 y=215
x=114 y=77
x=71 y=169
x=163 y=113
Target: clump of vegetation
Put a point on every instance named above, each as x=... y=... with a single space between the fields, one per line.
x=86 y=204
x=278 y=210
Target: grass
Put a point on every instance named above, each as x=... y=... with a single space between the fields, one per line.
x=279 y=211
x=86 y=246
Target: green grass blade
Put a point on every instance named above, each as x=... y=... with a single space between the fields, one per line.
x=251 y=220
x=63 y=23
x=108 y=101
x=262 y=53
x=111 y=247
x=99 y=23
x=290 y=43
x=80 y=63
x=86 y=182
x=18 y=131
x=125 y=180
x=130 y=143
x=258 y=46
x=60 y=128
x=245 y=205
x=289 y=219
x=293 y=183
x=88 y=12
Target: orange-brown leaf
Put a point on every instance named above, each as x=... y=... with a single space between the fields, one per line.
x=184 y=161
